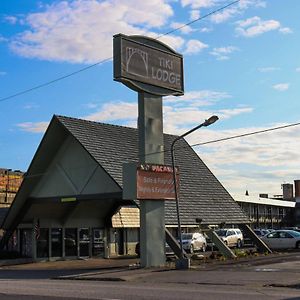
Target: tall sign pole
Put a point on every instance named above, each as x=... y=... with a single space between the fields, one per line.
x=152 y=212
x=153 y=70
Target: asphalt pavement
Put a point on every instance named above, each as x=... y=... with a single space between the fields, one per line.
x=275 y=276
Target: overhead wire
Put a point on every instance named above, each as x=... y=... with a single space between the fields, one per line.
x=110 y=58
x=228 y=138
x=187 y=146
x=54 y=80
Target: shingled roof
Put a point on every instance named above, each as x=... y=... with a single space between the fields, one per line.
x=201 y=194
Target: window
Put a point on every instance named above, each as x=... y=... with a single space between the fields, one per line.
x=71 y=242
x=285 y=235
x=273 y=235
x=42 y=243
x=56 y=242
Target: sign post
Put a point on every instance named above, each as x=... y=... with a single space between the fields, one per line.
x=153 y=70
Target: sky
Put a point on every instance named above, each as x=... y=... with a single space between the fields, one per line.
x=241 y=63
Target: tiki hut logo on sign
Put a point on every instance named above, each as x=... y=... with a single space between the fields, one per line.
x=136 y=57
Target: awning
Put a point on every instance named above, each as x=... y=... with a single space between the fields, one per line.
x=126 y=217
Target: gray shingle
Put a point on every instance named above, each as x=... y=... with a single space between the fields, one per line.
x=201 y=194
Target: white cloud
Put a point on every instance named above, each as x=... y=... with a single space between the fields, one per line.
x=268 y=69
x=281 y=86
x=179 y=112
x=116 y=111
x=194 y=14
x=228 y=113
x=260 y=162
x=206 y=29
x=285 y=30
x=81 y=31
x=31 y=106
x=255 y=26
x=11 y=19
x=198 y=98
x=182 y=27
x=194 y=47
x=195 y=4
x=222 y=53
x=38 y=127
x=236 y=9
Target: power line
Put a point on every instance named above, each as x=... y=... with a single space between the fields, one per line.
x=246 y=134
x=110 y=58
x=229 y=138
x=54 y=80
x=192 y=146
x=198 y=19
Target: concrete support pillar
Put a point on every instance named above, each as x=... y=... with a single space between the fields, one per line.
x=152 y=212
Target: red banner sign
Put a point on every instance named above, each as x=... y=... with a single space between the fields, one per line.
x=156 y=182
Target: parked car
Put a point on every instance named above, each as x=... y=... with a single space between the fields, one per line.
x=232 y=237
x=261 y=232
x=192 y=242
x=292 y=228
x=282 y=239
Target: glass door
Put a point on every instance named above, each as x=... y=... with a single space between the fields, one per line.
x=98 y=242
x=84 y=242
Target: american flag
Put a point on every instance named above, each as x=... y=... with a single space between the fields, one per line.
x=37 y=229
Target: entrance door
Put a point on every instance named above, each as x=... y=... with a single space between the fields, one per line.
x=98 y=242
x=84 y=242
x=26 y=242
x=121 y=241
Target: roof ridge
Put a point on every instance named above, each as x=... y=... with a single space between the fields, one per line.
x=94 y=122
x=102 y=123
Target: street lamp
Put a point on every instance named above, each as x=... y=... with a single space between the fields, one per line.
x=206 y=123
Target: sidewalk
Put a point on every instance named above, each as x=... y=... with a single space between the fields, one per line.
x=271 y=270
x=259 y=267
x=281 y=271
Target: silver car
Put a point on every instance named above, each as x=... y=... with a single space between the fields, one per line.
x=282 y=239
x=232 y=237
x=192 y=242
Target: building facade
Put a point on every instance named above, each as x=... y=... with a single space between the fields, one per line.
x=70 y=202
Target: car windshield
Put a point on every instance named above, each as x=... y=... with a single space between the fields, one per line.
x=221 y=232
x=187 y=236
x=294 y=233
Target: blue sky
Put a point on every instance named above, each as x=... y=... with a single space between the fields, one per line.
x=241 y=63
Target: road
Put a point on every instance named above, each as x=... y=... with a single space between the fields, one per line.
x=266 y=280
x=65 y=289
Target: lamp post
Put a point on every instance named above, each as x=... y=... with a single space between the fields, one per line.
x=206 y=123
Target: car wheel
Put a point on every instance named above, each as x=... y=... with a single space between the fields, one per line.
x=298 y=245
x=192 y=249
x=239 y=244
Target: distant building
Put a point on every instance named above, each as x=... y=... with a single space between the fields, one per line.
x=275 y=211
x=10 y=182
